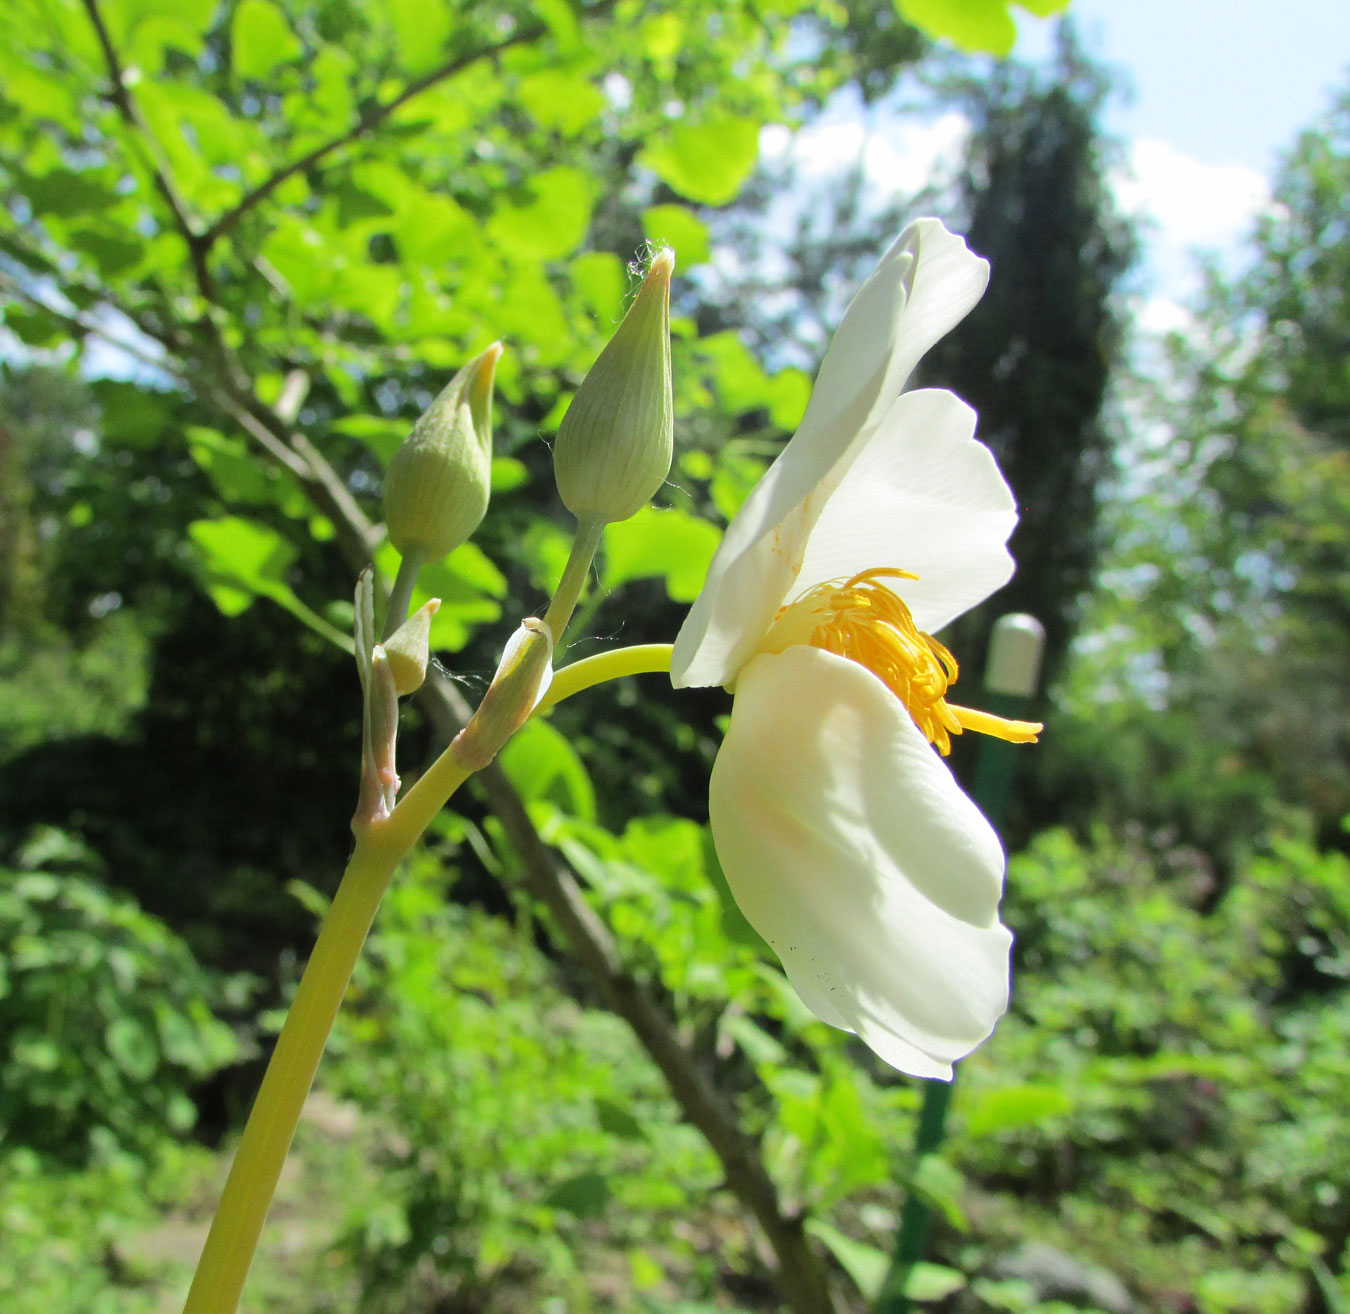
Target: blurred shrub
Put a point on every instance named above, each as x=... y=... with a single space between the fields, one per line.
x=107 y=1018
x=1170 y=1082
x=516 y=1118
x=66 y=1232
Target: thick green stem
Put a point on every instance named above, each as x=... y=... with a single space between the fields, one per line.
x=380 y=846
x=267 y=1138
x=589 y=533
x=234 y=1233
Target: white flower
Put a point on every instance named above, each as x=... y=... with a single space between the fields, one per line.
x=843 y=835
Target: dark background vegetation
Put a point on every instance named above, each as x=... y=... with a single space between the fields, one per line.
x=1157 y=1125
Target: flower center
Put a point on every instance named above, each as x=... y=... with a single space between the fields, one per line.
x=863 y=620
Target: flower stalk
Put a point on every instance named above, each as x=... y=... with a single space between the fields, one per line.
x=584 y=547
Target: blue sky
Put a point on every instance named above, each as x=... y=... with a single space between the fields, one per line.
x=1227 y=82
x=1220 y=89
x=1214 y=92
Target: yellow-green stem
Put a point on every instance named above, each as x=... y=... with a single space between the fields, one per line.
x=641 y=659
x=584 y=545
x=400 y=596
x=380 y=846
x=234 y=1233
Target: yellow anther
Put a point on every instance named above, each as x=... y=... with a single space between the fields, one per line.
x=863 y=620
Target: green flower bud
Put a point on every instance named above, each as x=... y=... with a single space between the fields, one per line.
x=614 y=445
x=409 y=648
x=436 y=487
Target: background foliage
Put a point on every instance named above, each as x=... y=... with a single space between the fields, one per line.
x=242 y=246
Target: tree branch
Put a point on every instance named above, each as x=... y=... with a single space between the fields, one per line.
x=131 y=115
x=367 y=121
x=81 y=326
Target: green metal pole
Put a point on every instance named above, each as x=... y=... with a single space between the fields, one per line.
x=1011 y=676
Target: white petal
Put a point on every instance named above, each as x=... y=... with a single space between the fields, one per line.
x=925 y=284
x=922 y=495
x=855 y=854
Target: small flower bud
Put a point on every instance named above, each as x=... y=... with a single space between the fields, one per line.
x=523 y=676
x=379 y=778
x=614 y=444
x=436 y=487
x=409 y=647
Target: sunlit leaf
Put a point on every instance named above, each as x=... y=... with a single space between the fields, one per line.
x=421 y=28
x=678 y=227
x=669 y=544
x=261 y=39
x=1016 y=1106
x=558 y=99
x=544 y=766
x=705 y=162
x=551 y=221
x=978 y=26
x=864 y=1263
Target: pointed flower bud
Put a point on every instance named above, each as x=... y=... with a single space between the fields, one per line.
x=436 y=487
x=614 y=445
x=409 y=648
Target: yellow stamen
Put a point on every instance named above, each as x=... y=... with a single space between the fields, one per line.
x=863 y=620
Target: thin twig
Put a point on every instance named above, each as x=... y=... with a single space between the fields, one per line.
x=82 y=326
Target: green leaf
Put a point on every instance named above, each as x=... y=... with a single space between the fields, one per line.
x=741 y=381
x=789 y=391
x=560 y=100
x=261 y=39
x=662 y=35
x=468 y=585
x=1016 y=1106
x=239 y=476
x=421 y=29
x=239 y=554
x=132 y=1047
x=552 y=222
x=113 y=254
x=561 y=22
x=65 y=192
x=544 y=767
x=865 y=1264
x=681 y=229
x=380 y=435
x=508 y=474
x=584 y=1195
x=705 y=162
x=132 y=416
x=977 y=26
x=932 y=1282
x=617 y=1121
x=939 y=1185
x=242 y=559
x=34 y=326
x=599 y=277
x=668 y=544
